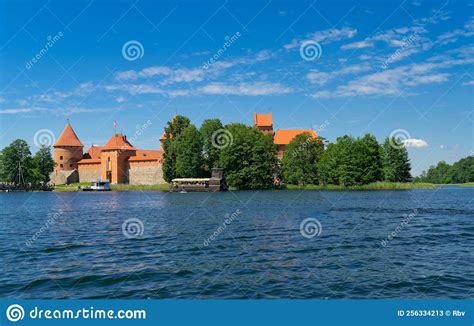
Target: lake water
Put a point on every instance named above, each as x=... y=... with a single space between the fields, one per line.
x=368 y=244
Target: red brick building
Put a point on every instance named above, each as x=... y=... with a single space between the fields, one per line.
x=117 y=161
x=282 y=137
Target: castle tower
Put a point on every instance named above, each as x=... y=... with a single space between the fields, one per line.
x=263 y=122
x=67 y=150
x=114 y=159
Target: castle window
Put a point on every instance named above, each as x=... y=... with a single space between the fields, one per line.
x=60 y=165
x=70 y=165
x=60 y=157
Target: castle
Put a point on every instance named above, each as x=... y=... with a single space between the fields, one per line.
x=120 y=162
x=117 y=161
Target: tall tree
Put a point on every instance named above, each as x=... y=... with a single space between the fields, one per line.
x=350 y=161
x=15 y=162
x=209 y=130
x=174 y=128
x=264 y=162
x=328 y=165
x=396 y=163
x=337 y=163
x=43 y=164
x=301 y=159
x=188 y=150
x=249 y=158
x=367 y=160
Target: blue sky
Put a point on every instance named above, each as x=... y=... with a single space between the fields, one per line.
x=340 y=67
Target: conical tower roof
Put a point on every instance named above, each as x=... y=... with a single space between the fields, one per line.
x=68 y=138
x=118 y=142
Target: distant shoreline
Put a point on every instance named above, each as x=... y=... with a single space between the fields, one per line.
x=372 y=186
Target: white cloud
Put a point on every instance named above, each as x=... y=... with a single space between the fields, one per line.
x=453 y=36
x=245 y=89
x=469 y=83
x=136 y=89
x=394 y=81
x=320 y=78
x=187 y=75
x=325 y=36
x=15 y=111
x=120 y=99
x=357 y=45
x=171 y=75
x=415 y=143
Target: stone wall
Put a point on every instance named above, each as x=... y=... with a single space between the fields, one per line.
x=89 y=174
x=60 y=177
x=145 y=174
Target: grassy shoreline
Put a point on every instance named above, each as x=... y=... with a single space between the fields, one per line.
x=372 y=186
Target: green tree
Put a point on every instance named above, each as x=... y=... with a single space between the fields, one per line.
x=249 y=158
x=15 y=162
x=174 y=128
x=300 y=161
x=188 y=150
x=367 y=160
x=209 y=131
x=328 y=165
x=350 y=161
x=396 y=163
x=264 y=162
x=43 y=165
x=337 y=163
x=463 y=170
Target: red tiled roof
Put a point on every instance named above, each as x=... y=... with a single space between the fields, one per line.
x=262 y=120
x=118 y=141
x=146 y=155
x=285 y=136
x=94 y=152
x=68 y=138
x=89 y=161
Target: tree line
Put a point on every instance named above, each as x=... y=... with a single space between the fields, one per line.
x=461 y=171
x=19 y=166
x=249 y=157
